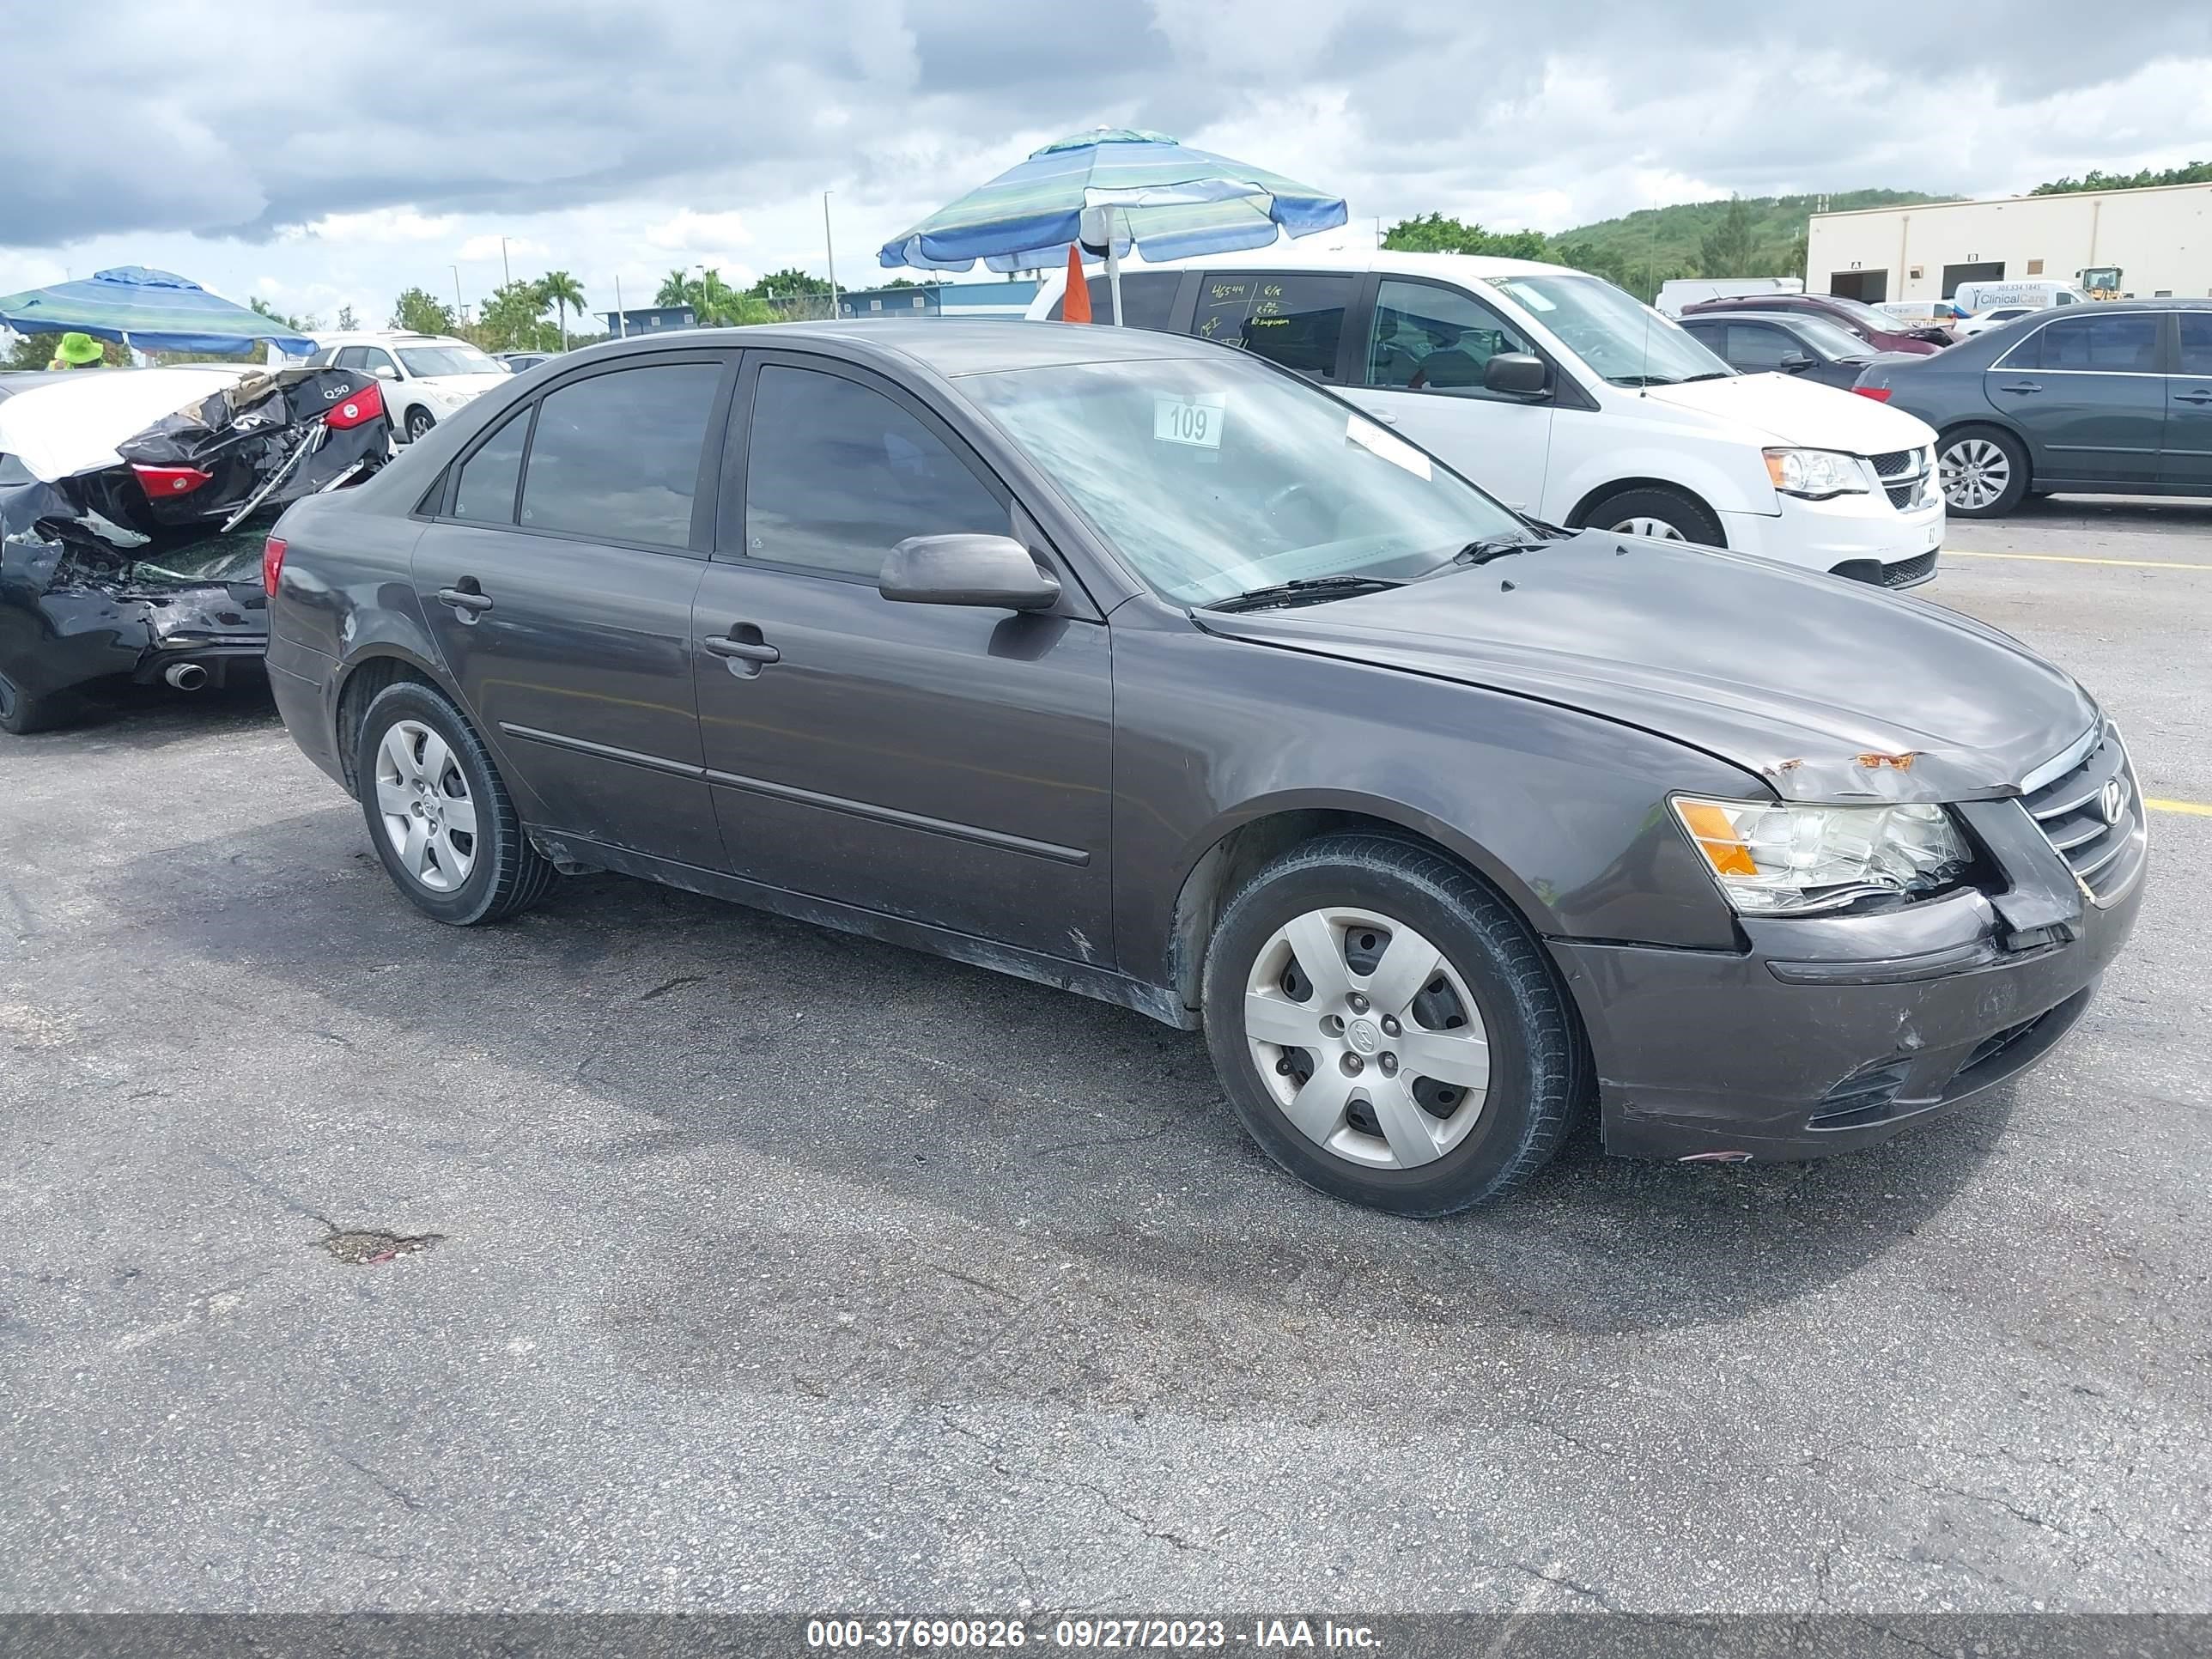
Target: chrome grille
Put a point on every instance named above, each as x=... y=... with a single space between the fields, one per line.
x=1906 y=475
x=2106 y=850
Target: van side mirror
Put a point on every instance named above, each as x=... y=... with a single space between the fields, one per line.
x=385 y=372
x=995 y=571
x=1517 y=374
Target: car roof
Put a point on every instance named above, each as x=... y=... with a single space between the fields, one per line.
x=1293 y=256
x=949 y=346
x=382 y=337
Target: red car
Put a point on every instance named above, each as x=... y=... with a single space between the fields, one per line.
x=1876 y=327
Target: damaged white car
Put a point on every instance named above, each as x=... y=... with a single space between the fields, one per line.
x=121 y=491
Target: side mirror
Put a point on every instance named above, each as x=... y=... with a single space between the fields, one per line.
x=1518 y=373
x=1795 y=363
x=995 y=572
x=385 y=372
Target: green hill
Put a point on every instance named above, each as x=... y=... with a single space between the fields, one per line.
x=1642 y=249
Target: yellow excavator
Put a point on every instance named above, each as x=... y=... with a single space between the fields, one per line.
x=2101 y=283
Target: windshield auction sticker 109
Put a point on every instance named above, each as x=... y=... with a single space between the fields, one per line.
x=1196 y=420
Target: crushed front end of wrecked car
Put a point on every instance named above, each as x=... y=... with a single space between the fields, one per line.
x=148 y=569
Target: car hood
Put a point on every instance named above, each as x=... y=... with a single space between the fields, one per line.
x=1802 y=413
x=461 y=385
x=1826 y=688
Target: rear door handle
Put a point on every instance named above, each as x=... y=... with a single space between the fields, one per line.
x=743 y=650
x=2021 y=387
x=2193 y=397
x=464 y=600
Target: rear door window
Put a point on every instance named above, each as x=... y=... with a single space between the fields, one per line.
x=2126 y=345
x=1290 y=319
x=616 y=456
x=352 y=357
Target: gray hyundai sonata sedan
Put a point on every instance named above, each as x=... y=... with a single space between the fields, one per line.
x=1137 y=665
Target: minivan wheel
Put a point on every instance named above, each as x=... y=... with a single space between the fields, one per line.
x=1668 y=516
x=441 y=819
x=419 y=423
x=1983 y=470
x=1387 y=1027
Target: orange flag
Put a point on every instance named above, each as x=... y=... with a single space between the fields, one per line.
x=1076 y=307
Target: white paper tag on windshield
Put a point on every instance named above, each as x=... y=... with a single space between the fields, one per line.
x=1396 y=451
x=1193 y=420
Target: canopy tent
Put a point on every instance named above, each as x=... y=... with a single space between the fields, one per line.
x=1109 y=191
x=152 y=310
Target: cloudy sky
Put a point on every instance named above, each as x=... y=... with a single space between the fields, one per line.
x=323 y=155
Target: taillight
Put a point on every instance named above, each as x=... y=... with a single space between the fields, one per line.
x=272 y=564
x=160 y=481
x=366 y=405
x=1879 y=394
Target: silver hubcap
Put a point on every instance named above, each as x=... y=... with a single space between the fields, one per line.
x=1975 y=473
x=423 y=798
x=1658 y=529
x=1367 y=1038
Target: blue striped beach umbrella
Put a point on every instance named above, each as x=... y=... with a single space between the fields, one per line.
x=152 y=310
x=1108 y=191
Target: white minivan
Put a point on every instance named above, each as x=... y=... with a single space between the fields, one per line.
x=1568 y=400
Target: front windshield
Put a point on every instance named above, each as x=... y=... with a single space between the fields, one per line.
x=1215 y=476
x=424 y=361
x=1831 y=338
x=1619 y=337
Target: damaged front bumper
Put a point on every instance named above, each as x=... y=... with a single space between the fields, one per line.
x=1829 y=1034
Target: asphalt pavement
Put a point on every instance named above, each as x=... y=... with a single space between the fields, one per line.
x=650 y=1254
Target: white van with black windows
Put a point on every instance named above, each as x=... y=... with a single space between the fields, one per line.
x=1570 y=400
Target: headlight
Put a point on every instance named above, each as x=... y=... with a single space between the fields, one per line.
x=1816 y=474
x=1771 y=858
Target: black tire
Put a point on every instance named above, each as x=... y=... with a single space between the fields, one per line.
x=1536 y=1082
x=21 y=713
x=419 y=423
x=1953 y=452
x=1690 y=518
x=506 y=874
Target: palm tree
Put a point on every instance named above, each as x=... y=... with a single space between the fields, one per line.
x=561 y=290
x=675 y=289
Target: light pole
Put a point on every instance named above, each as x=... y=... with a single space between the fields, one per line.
x=506 y=276
x=830 y=247
x=460 y=311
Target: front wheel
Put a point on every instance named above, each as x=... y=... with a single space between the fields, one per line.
x=1666 y=515
x=419 y=423
x=1387 y=1029
x=1983 y=472
x=440 y=815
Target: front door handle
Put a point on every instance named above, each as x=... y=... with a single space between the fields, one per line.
x=2193 y=397
x=2023 y=387
x=743 y=650
x=470 y=601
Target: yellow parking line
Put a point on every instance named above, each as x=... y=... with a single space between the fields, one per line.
x=2195 y=808
x=2069 y=558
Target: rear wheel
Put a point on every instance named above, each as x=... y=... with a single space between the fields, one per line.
x=1984 y=472
x=1387 y=1029
x=21 y=713
x=441 y=819
x=1668 y=516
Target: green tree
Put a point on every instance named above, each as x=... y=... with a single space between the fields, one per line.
x=561 y=290
x=790 y=283
x=297 y=325
x=514 y=319
x=1728 y=250
x=1432 y=233
x=419 y=312
x=675 y=289
x=346 y=323
x=2196 y=173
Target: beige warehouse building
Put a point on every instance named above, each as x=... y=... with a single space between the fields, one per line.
x=2160 y=239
